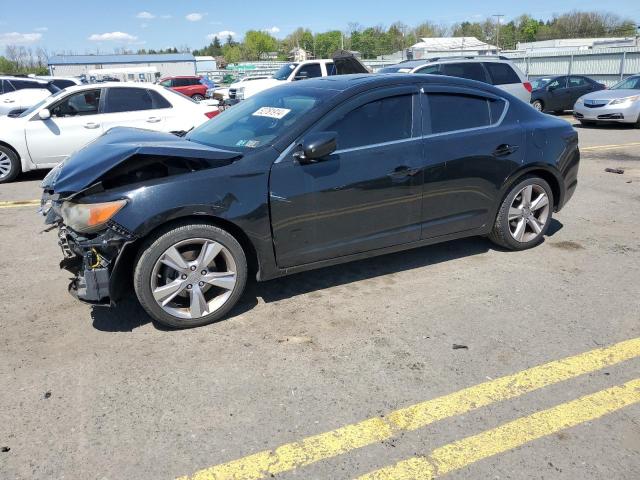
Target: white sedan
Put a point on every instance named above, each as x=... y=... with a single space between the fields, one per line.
x=50 y=131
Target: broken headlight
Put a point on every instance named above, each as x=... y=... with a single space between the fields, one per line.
x=89 y=217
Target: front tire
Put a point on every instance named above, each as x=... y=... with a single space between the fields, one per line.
x=197 y=97
x=190 y=275
x=9 y=165
x=524 y=215
x=538 y=105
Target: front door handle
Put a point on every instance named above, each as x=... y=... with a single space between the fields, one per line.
x=91 y=125
x=153 y=119
x=403 y=171
x=505 y=149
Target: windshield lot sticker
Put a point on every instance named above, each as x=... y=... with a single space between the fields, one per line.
x=271 y=112
x=252 y=143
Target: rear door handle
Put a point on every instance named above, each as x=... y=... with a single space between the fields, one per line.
x=505 y=149
x=403 y=171
x=153 y=119
x=91 y=125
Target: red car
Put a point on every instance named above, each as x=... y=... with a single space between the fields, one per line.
x=189 y=86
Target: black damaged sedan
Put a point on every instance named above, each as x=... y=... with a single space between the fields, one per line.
x=300 y=177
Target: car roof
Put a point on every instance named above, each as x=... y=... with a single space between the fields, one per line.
x=469 y=58
x=372 y=80
x=92 y=86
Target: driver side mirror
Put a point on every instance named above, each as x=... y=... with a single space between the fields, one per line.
x=551 y=88
x=316 y=146
x=44 y=114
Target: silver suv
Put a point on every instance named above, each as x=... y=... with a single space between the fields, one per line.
x=498 y=71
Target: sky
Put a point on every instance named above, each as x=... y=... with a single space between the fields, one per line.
x=91 y=26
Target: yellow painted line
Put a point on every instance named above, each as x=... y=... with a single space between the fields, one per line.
x=347 y=438
x=609 y=147
x=20 y=203
x=467 y=451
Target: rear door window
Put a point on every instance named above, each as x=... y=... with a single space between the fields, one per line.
x=470 y=70
x=365 y=125
x=331 y=69
x=445 y=112
x=501 y=73
x=128 y=100
x=157 y=100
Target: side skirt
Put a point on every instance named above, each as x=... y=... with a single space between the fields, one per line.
x=268 y=275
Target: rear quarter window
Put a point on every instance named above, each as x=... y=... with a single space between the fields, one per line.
x=479 y=112
x=501 y=73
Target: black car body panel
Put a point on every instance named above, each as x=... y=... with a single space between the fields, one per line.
x=290 y=217
x=560 y=93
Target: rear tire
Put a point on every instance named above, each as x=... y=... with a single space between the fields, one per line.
x=10 y=166
x=524 y=215
x=197 y=97
x=190 y=275
x=538 y=105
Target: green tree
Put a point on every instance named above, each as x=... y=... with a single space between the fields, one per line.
x=256 y=43
x=327 y=43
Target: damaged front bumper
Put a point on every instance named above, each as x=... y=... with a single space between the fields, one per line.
x=92 y=259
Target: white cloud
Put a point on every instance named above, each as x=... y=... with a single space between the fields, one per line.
x=221 y=35
x=112 y=37
x=145 y=15
x=195 y=17
x=15 y=38
x=273 y=30
x=41 y=29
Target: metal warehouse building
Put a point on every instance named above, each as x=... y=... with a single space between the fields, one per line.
x=126 y=67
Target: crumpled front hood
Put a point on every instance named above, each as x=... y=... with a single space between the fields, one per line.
x=85 y=167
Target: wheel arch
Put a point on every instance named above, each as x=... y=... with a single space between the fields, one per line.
x=543 y=171
x=122 y=274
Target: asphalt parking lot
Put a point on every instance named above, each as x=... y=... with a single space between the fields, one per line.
x=388 y=368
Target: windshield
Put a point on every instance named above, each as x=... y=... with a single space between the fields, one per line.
x=29 y=111
x=539 y=83
x=284 y=71
x=395 y=69
x=631 y=83
x=259 y=120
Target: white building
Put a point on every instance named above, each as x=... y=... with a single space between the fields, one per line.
x=205 y=64
x=564 y=44
x=299 y=54
x=164 y=64
x=442 y=47
x=451 y=46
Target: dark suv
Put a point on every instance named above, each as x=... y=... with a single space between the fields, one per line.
x=189 y=86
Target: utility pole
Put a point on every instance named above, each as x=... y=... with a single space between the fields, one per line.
x=499 y=17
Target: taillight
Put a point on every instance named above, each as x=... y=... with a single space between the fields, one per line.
x=528 y=86
x=212 y=114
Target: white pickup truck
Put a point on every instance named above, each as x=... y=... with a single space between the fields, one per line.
x=342 y=63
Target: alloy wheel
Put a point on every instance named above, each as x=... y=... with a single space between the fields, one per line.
x=193 y=278
x=528 y=213
x=5 y=165
x=537 y=105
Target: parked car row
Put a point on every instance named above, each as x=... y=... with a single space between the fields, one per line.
x=48 y=132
